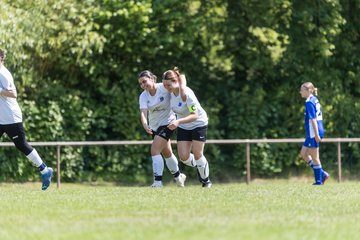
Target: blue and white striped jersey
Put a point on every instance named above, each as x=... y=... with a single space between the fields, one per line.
x=313 y=111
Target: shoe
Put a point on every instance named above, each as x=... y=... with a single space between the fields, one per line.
x=157 y=184
x=317 y=184
x=180 y=180
x=325 y=176
x=46 y=179
x=207 y=184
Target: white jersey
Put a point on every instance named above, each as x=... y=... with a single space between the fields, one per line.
x=10 y=111
x=183 y=109
x=158 y=106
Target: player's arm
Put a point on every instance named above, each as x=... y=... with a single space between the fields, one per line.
x=144 y=121
x=182 y=87
x=190 y=118
x=8 y=93
x=316 y=129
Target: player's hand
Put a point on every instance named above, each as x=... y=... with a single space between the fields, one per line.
x=173 y=125
x=317 y=139
x=148 y=129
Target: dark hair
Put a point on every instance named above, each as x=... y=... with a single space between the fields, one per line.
x=2 y=55
x=172 y=75
x=148 y=74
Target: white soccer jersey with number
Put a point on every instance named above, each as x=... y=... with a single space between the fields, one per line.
x=10 y=111
x=158 y=106
x=183 y=109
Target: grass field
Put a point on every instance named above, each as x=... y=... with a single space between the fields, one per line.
x=271 y=209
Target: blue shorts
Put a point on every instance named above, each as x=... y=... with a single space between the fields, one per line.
x=311 y=143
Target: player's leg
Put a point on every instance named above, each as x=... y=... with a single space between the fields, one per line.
x=325 y=175
x=201 y=163
x=157 y=160
x=184 y=142
x=173 y=165
x=170 y=159
x=199 y=138
x=307 y=156
x=304 y=153
x=314 y=153
x=185 y=156
x=17 y=134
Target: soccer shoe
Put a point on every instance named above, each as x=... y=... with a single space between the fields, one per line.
x=325 y=176
x=46 y=179
x=180 y=180
x=207 y=184
x=157 y=184
x=317 y=184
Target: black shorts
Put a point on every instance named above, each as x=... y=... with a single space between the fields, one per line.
x=164 y=132
x=197 y=134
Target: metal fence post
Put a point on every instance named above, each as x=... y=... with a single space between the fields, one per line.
x=58 y=148
x=339 y=160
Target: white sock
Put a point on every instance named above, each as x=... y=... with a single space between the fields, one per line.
x=35 y=158
x=158 y=165
x=203 y=167
x=191 y=161
x=172 y=164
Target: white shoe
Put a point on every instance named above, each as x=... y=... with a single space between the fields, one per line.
x=157 y=184
x=180 y=180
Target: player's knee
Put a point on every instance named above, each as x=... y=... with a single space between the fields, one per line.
x=23 y=146
x=198 y=155
x=184 y=157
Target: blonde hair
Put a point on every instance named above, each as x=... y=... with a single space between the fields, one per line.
x=310 y=87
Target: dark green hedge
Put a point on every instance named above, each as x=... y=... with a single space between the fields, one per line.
x=75 y=64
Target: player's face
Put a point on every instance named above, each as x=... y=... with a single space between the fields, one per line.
x=304 y=92
x=170 y=85
x=146 y=83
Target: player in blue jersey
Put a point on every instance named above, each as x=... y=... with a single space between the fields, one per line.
x=314 y=129
x=11 y=122
x=155 y=114
x=191 y=124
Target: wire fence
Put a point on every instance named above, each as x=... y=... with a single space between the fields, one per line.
x=246 y=142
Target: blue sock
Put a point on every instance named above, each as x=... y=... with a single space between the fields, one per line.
x=318 y=174
x=42 y=167
x=310 y=163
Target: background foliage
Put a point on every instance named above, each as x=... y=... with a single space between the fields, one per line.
x=75 y=64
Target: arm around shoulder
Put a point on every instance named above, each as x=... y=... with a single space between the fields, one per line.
x=8 y=93
x=182 y=86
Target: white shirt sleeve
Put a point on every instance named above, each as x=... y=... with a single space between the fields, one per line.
x=143 y=101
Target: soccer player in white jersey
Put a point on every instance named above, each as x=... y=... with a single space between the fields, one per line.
x=314 y=129
x=155 y=116
x=191 y=124
x=11 y=122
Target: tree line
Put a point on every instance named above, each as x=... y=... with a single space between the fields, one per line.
x=75 y=65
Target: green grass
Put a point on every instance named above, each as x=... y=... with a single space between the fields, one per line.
x=271 y=209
